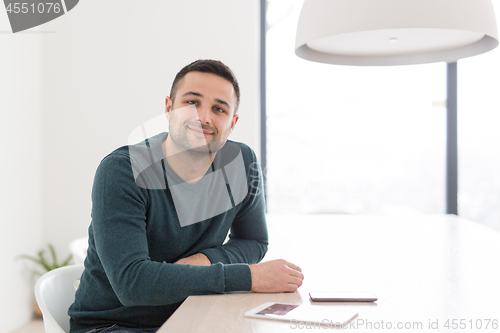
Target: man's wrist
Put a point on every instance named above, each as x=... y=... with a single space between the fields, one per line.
x=237 y=277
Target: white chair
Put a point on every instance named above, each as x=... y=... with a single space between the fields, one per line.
x=55 y=292
x=78 y=248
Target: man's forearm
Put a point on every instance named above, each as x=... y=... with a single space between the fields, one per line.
x=198 y=259
x=238 y=251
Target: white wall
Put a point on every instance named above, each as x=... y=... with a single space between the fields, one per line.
x=20 y=171
x=106 y=67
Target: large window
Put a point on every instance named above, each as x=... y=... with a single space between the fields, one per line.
x=345 y=139
x=479 y=136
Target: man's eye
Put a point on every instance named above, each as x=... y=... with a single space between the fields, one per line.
x=220 y=110
x=191 y=102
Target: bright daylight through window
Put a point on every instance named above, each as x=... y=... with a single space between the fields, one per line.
x=372 y=140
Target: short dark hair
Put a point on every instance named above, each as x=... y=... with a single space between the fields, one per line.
x=208 y=66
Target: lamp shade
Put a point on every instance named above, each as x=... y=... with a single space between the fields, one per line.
x=394 y=32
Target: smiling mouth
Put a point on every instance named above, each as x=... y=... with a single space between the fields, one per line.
x=200 y=132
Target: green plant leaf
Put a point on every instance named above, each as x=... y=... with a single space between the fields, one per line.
x=54 y=257
x=66 y=262
x=25 y=256
x=43 y=262
x=36 y=273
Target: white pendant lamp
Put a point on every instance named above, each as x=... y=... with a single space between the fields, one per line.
x=394 y=32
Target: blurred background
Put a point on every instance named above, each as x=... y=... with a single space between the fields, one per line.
x=72 y=90
x=340 y=139
x=372 y=140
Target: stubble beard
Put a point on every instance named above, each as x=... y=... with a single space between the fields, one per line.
x=202 y=148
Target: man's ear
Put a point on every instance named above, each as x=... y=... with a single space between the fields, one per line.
x=234 y=121
x=168 y=107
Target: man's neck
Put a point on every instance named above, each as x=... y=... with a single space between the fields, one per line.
x=189 y=165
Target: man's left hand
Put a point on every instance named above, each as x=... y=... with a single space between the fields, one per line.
x=198 y=259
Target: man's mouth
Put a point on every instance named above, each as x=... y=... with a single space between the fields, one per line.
x=200 y=132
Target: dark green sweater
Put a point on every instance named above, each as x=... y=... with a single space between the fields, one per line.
x=135 y=237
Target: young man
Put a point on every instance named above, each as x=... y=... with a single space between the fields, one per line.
x=161 y=211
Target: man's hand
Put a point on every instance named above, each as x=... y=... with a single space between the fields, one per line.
x=198 y=259
x=276 y=276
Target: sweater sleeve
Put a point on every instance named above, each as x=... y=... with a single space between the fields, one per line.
x=119 y=209
x=248 y=239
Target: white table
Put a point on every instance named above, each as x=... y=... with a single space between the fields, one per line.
x=426 y=270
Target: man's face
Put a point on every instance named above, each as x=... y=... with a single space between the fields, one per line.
x=205 y=126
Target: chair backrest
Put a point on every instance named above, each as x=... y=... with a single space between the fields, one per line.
x=55 y=292
x=78 y=248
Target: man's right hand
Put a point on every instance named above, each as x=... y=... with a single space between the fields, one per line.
x=276 y=276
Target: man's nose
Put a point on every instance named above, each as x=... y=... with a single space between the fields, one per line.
x=203 y=114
